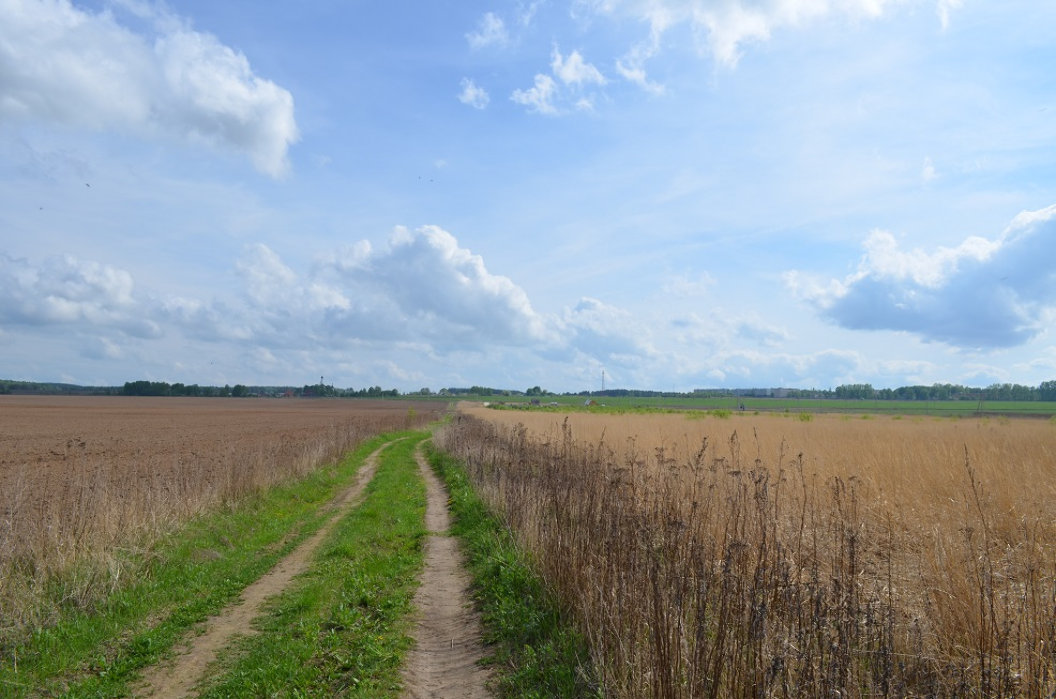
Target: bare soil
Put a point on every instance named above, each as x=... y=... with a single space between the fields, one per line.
x=178 y=677
x=445 y=660
x=47 y=434
x=91 y=470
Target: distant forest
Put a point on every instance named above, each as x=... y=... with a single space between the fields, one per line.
x=163 y=388
x=1046 y=391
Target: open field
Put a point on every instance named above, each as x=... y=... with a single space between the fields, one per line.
x=769 y=555
x=85 y=481
x=935 y=408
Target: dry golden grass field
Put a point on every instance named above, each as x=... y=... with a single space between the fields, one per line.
x=765 y=555
x=83 y=476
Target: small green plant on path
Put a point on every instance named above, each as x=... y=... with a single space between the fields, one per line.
x=342 y=628
x=179 y=582
x=535 y=651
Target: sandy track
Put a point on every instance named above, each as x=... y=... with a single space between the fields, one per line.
x=178 y=677
x=445 y=659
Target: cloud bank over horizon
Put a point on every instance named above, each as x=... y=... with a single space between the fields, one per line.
x=422 y=289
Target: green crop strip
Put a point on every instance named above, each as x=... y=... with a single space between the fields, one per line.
x=535 y=651
x=180 y=582
x=342 y=628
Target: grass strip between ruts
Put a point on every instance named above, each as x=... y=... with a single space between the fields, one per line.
x=535 y=651
x=342 y=627
x=179 y=582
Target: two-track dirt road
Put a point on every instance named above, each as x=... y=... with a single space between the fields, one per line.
x=447 y=651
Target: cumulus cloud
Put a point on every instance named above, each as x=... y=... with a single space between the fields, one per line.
x=980 y=294
x=603 y=331
x=491 y=31
x=540 y=97
x=66 y=65
x=431 y=277
x=572 y=74
x=422 y=287
x=66 y=291
x=573 y=70
x=473 y=95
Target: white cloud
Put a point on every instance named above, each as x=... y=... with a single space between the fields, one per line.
x=602 y=331
x=526 y=11
x=723 y=27
x=718 y=331
x=632 y=69
x=574 y=70
x=267 y=278
x=354 y=297
x=70 y=66
x=927 y=171
x=66 y=291
x=540 y=97
x=473 y=95
x=945 y=8
x=574 y=74
x=431 y=277
x=491 y=31
x=684 y=286
x=981 y=294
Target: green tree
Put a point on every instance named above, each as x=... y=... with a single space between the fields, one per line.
x=1047 y=390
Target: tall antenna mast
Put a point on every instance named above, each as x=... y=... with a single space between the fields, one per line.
x=602 y=379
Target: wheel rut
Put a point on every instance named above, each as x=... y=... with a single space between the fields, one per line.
x=445 y=659
x=178 y=677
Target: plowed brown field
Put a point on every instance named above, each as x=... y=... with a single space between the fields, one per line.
x=48 y=433
x=80 y=475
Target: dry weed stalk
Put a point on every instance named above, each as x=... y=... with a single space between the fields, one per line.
x=703 y=572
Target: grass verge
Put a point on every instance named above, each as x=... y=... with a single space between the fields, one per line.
x=536 y=653
x=179 y=582
x=342 y=628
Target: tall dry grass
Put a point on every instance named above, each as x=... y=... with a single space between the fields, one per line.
x=67 y=526
x=761 y=556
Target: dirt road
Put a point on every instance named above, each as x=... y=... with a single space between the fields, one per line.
x=178 y=677
x=445 y=659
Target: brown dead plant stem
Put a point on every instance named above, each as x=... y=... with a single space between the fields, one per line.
x=700 y=571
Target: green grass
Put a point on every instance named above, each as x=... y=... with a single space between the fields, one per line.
x=535 y=651
x=342 y=628
x=181 y=581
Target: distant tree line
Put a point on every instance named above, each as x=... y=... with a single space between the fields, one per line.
x=8 y=386
x=1046 y=391
x=477 y=391
x=320 y=390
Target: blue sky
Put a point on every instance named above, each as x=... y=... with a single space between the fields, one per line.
x=682 y=194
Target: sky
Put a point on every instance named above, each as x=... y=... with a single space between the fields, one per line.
x=675 y=194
